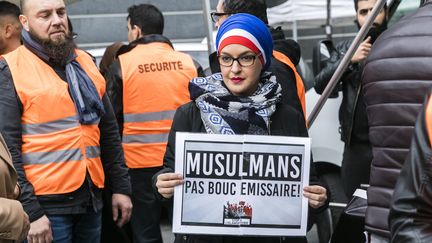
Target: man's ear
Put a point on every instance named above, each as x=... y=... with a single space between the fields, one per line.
x=8 y=31
x=137 y=32
x=24 y=22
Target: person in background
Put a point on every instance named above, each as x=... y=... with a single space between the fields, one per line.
x=61 y=131
x=396 y=78
x=354 y=129
x=14 y=223
x=10 y=27
x=352 y=112
x=109 y=56
x=110 y=231
x=239 y=95
x=286 y=53
x=146 y=84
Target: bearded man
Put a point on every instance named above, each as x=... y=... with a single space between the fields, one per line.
x=353 y=119
x=61 y=130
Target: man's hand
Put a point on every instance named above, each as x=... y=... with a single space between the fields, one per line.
x=317 y=195
x=40 y=231
x=166 y=182
x=25 y=228
x=362 y=51
x=121 y=203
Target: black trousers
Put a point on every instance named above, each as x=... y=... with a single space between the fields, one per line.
x=349 y=229
x=110 y=231
x=356 y=164
x=146 y=211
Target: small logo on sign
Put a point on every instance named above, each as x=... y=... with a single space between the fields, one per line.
x=237 y=213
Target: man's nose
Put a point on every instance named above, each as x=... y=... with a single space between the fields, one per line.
x=56 y=20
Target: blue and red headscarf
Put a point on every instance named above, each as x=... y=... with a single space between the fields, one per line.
x=249 y=31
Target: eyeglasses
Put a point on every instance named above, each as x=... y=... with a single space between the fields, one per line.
x=244 y=61
x=216 y=16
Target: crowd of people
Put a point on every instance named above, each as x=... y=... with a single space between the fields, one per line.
x=87 y=153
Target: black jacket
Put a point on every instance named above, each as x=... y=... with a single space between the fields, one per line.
x=87 y=197
x=396 y=78
x=285 y=122
x=284 y=74
x=411 y=209
x=352 y=112
x=114 y=77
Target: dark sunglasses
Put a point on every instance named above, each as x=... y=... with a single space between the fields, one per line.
x=216 y=16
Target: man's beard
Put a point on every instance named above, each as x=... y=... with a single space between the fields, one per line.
x=375 y=31
x=59 y=51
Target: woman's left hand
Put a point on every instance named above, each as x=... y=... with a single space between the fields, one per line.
x=317 y=195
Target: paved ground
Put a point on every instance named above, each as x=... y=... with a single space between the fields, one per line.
x=168 y=237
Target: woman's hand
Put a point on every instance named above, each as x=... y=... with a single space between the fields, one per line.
x=317 y=195
x=166 y=182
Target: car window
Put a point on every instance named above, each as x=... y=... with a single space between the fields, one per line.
x=405 y=7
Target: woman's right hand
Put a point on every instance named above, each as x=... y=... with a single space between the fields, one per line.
x=166 y=182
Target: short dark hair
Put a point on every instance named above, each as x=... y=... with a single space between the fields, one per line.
x=148 y=17
x=9 y=9
x=257 y=8
x=356 y=4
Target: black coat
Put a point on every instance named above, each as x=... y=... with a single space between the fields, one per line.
x=396 y=78
x=352 y=112
x=285 y=122
x=411 y=209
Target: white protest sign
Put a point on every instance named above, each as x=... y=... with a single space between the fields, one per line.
x=241 y=185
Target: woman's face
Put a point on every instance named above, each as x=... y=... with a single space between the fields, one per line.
x=241 y=81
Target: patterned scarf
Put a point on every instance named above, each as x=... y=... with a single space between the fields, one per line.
x=225 y=113
x=86 y=99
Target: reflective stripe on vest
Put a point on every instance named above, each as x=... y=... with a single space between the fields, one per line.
x=299 y=81
x=428 y=117
x=52 y=126
x=147 y=138
x=150 y=116
x=155 y=84
x=59 y=156
x=57 y=151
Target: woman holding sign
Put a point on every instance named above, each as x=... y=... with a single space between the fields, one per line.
x=245 y=98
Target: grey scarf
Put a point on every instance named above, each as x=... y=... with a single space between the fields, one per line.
x=225 y=113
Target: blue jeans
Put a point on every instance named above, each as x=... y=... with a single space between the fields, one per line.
x=76 y=228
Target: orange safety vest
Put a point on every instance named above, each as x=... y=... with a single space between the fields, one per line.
x=299 y=82
x=155 y=84
x=57 y=150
